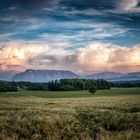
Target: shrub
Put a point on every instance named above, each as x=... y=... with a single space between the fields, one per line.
x=93 y=89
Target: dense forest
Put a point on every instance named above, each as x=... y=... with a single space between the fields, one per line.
x=57 y=85
x=7 y=86
x=77 y=84
x=65 y=85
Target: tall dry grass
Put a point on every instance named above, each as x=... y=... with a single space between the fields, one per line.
x=96 y=118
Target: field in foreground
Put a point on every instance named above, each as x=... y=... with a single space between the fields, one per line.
x=108 y=115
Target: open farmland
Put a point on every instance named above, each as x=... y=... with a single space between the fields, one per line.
x=108 y=115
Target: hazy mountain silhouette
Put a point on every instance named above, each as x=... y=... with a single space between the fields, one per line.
x=48 y=75
x=43 y=75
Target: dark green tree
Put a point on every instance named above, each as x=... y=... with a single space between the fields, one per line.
x=93 y=89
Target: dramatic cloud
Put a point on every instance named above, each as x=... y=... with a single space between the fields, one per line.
x=104 y=5
x=108 y=57
x=128 y=5
x=53 y=34
x=27 y=3
x=19 y=54
x=94 y=57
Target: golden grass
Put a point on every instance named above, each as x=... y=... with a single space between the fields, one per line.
x=95 y=118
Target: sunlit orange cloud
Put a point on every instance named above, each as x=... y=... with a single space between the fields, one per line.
x=109 y=57
x=18 y=54
x=96 y=57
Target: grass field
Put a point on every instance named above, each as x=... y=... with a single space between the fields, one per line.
x=108 y=115
x=73 y=94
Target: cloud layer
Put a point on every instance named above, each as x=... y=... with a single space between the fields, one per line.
x=128 y=5
x=109 y=57
x=17 y=54
x=95 y=57
x=78 y=35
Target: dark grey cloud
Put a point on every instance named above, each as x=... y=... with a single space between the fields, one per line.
x=53 y=60
x=103 y=5
x=73 y=22
x=64 y=9
x=71 y=4
x=87 y=4
x=26 y=3
x=23 y=9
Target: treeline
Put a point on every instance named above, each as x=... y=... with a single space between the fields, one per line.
x=65 y=85
x=77 y=84
x=126 y=84
x=57 y=85
x=7 y=87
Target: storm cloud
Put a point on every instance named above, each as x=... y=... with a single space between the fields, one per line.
x=80 y=35
x=96 y=57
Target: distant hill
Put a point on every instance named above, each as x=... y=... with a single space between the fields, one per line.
x=48 y=75
x=105 y=75
x=112 y=76
x=43 y=75
x=7 y=75
x=128 y=77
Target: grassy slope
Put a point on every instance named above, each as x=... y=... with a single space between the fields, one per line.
x=106 y=116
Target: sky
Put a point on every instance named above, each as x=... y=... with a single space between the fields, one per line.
x=76 y=35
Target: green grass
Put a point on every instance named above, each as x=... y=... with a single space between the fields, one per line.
x=34 y=115
x=73 y=94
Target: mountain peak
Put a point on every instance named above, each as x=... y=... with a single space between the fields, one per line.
x=43 y=75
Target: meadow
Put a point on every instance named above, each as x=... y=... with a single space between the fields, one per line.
x=77 y=115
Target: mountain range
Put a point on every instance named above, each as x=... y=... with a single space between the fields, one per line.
x=7 y=75
x=43 y=75
x=48 y=75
